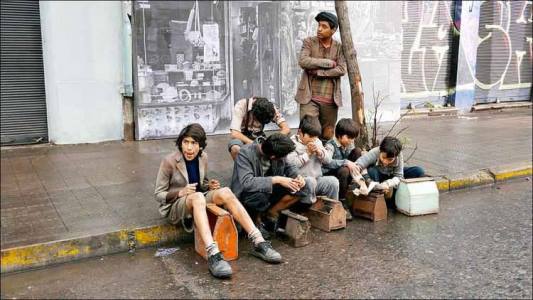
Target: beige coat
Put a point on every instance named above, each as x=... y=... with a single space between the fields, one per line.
x=172 y=176
x=310 y=59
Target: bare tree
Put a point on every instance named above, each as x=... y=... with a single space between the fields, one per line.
x=356 y=88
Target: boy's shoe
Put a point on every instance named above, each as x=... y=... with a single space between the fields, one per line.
x=265 y=252
x=270 y=224
x=349 y=216
x=218 y=267
x=264 y=232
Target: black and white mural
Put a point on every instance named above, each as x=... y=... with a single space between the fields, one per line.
x=195 y=59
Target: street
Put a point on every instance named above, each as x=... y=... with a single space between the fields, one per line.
x=478 y=246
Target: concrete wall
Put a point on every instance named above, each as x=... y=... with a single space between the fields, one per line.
x=82 y=66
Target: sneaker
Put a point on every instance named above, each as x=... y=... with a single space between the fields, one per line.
x=349 y=216
x=218 y=267
x=265 y=252
x=264 y=232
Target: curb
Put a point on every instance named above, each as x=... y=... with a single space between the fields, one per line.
x=44 y=254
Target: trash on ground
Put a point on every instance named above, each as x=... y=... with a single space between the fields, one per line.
x=165 y=251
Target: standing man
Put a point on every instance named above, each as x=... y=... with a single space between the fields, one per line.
x=319 y=90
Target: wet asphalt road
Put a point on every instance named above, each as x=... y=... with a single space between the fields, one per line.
x=478 y=246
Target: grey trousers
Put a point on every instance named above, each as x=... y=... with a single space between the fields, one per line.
x=323 y=186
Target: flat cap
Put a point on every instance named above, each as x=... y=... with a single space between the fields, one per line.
x=327 y=16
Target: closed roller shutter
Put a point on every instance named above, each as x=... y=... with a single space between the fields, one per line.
x=503 y=67
x=23 y=106
x=427 y=33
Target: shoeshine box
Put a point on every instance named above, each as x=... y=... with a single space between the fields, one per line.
x=417 y=196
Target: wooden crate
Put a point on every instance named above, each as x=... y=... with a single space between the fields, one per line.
x=224 y=233
x=371 y=207
x=296 y=228
x=327 y=214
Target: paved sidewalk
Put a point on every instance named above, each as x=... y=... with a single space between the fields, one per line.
x=51 y=193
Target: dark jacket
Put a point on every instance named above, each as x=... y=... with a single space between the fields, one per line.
x=248 y=175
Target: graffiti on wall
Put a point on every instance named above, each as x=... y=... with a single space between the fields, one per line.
x=499 y=56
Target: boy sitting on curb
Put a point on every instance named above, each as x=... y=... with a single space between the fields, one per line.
x=310 y=155
x=385 y=166
x=183 y=191
x=344 y=154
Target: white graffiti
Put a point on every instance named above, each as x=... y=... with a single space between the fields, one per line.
x=509 y=32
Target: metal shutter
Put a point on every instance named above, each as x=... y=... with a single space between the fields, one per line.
x=427 y=33
x=23 y=106
x=503 y=67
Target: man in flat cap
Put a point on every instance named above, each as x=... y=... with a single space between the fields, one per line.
x=323 y=64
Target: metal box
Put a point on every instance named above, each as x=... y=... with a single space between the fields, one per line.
x=417 y=196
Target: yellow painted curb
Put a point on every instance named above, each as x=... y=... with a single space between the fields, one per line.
x=43 y=254
x=509 y=174
x=461 y=181
x=443 y=184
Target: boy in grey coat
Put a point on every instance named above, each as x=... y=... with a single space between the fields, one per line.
x=265 y=183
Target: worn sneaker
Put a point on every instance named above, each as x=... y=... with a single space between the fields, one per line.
x=264 y=231
x=349 y=216
x=265 y=252
x=218 y=267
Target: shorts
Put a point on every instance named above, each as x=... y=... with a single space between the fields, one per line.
x=179 y=213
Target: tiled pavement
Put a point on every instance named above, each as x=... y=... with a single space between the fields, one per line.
x=59 y=192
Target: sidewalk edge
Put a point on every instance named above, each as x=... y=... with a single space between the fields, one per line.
x=54 y=252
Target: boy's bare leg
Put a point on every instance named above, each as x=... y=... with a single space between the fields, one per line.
x=234 y=151
x=285 y=202
x=225 y=197
x=196 y=203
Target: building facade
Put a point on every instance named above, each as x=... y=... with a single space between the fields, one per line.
x=67 y=66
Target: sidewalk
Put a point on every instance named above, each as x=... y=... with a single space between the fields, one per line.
x=60 y=193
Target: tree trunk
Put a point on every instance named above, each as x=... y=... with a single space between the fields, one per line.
x=356 y=89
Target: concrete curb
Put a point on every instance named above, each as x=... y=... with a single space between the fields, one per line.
x=43 y=254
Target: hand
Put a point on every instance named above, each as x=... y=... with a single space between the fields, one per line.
x=300 y=181
x=334 y=64
x=311 y=149
x=290 y=184
x=187 y=190
x=353 y=166
x=213 y=184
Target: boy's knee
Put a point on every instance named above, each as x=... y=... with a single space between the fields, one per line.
x=197 y=199
x=344 y=172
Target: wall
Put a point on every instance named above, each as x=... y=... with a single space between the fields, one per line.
x=82 y=53
x=259 y=46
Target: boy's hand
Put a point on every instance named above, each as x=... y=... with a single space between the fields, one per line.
x=300 y=180
x=311 y=149
x=288 y=183
x=213 y=184
x=187 y=190
x=353 y=166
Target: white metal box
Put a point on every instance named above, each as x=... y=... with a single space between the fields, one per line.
x=417 y=196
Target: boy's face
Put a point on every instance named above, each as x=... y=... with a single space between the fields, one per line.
x=386 y=161
x=346 y=141
x=324 y=31
x=190 y=148
x=306 y=138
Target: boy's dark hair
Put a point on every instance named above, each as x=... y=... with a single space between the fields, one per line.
x=263 y=110
x=347 y=127
x=277 y=145
x=195 y=131
x=310 y=125
x=391 y=146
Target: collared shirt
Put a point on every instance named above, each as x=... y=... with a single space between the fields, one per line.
x=239 y=112
x=322 y=88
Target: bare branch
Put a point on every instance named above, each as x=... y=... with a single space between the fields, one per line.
x=400 y=131
x=412 y=153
